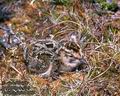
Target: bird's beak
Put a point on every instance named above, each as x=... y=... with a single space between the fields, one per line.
x=82 y=61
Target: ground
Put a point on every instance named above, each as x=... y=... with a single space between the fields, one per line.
x=98 y=34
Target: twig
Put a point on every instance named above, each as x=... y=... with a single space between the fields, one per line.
x=13 y=67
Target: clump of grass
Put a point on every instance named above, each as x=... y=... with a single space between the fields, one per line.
x=61 y=2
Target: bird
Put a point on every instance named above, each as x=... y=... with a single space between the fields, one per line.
x=71 y=60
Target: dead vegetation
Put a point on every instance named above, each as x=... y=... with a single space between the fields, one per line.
x=96 y=37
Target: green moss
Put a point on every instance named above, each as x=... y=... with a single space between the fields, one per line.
x=109 y=6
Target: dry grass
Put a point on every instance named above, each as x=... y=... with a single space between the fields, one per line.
x=99 y=39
